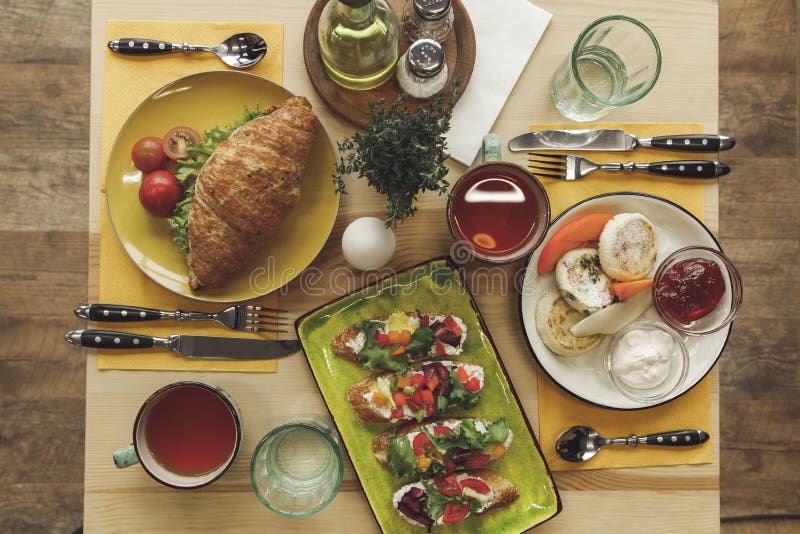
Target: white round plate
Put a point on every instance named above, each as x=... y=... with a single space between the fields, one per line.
x=585 y=375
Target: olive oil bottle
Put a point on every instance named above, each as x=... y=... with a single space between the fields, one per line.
x=358 y=42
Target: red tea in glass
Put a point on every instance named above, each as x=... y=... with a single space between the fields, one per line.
x=499 y=211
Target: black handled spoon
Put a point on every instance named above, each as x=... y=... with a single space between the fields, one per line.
x=580 y=443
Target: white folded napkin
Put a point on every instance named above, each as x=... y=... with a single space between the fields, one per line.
x=506 y=32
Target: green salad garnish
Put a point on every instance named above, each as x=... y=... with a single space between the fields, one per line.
x=188 y=169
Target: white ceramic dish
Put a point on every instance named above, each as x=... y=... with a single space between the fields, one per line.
x=585 y=375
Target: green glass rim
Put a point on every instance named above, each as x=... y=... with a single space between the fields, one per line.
x=339 y=474
x=579 y=41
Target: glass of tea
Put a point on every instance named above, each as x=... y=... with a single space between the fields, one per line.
x=297 y=468
x=614 y=62
x=186 y=435
x=498 y=210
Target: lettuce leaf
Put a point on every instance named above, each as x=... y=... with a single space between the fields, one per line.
x=372 y=356
x=421 y=342
x=188 y=169
x=460 y=396
x=402 y=461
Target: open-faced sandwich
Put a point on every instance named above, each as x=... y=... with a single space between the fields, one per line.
x=400 y=339
x=442 y=446
x=245 y=190
x=449 y=499
x=425 y=390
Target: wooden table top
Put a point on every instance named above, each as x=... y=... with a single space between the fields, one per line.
x=684 y=498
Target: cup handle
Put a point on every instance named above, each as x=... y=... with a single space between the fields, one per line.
x=491 y=148
x=125 y=456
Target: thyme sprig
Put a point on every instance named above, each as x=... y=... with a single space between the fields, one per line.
x=401 y=154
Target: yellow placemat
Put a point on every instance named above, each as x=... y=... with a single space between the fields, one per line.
x=128 y=81
x=559 y=410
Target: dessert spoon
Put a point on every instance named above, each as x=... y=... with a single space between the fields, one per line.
x=241 y=50
x=580 y=443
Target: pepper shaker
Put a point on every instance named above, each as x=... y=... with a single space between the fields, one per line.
x=428 y=19
x=422 y=71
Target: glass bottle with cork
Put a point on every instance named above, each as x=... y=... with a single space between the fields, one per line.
x=358 y=42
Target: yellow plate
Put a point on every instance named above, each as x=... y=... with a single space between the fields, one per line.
x=203 y=101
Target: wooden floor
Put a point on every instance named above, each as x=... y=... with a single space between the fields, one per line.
x=44 y=154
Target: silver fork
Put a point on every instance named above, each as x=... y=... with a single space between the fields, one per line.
x=240 y=317
x=569 y=167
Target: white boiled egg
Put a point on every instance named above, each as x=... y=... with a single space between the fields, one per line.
x=367 y=244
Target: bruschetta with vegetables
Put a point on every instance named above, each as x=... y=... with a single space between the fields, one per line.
x=425 y=390
x=442 y=446
x=449 y=499
x=396 y=341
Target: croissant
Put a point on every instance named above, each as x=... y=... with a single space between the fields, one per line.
x=245 y=189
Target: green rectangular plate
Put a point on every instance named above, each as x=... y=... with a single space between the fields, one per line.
x=437 y=287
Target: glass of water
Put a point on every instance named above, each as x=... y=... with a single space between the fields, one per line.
x=615 y=62
x=297 y=468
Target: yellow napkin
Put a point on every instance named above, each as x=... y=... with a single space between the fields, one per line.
x=559 y=410
x=128 y=81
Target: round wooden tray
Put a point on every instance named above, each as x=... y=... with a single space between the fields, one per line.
x=352 y=105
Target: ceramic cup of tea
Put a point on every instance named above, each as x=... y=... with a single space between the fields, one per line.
x=185 y=436
x=498 y=211
x=297 y=468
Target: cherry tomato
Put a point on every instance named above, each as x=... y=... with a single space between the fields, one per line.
x=159 y=193
x=453 y=512
x=178 y=141
x=441 y=429
x=472 y=385
x=477 y=460
x=479 y=486
x=448 y=485
x=421 y=443
x=148 y=155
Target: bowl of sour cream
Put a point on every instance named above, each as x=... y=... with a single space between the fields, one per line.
x=647 y=361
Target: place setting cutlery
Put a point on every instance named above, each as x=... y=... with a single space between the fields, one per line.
x=616 y=141
x=240 y=317
x=244 y=318
x=570 y=167
x=581 y=443
x=241 y=50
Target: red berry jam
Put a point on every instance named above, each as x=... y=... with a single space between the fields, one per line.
x=690 y=289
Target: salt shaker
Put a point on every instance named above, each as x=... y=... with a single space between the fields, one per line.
x=428 y=19
x=422 y=71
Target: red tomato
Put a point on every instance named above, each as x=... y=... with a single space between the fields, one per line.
x=472 y=385
x=449 y=466
x=477 y=460
x=159 y=193
x=440 y=349
x=453 y=513
x=397 y=413
x=178 y=140
x=424 y=320
x=476 y=485
x=448 y=485
x=421 y=443
x=148 y=155
x=441 y=429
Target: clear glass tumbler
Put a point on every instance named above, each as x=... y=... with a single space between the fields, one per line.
x=297 y=469
x=614 y=62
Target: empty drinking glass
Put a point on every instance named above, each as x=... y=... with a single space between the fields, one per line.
x=615 y=61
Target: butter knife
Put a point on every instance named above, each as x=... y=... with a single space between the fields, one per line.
x=616 y=140
x=226 y=348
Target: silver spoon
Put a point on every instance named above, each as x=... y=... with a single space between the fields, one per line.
x=240 y=51
x=580 y=443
